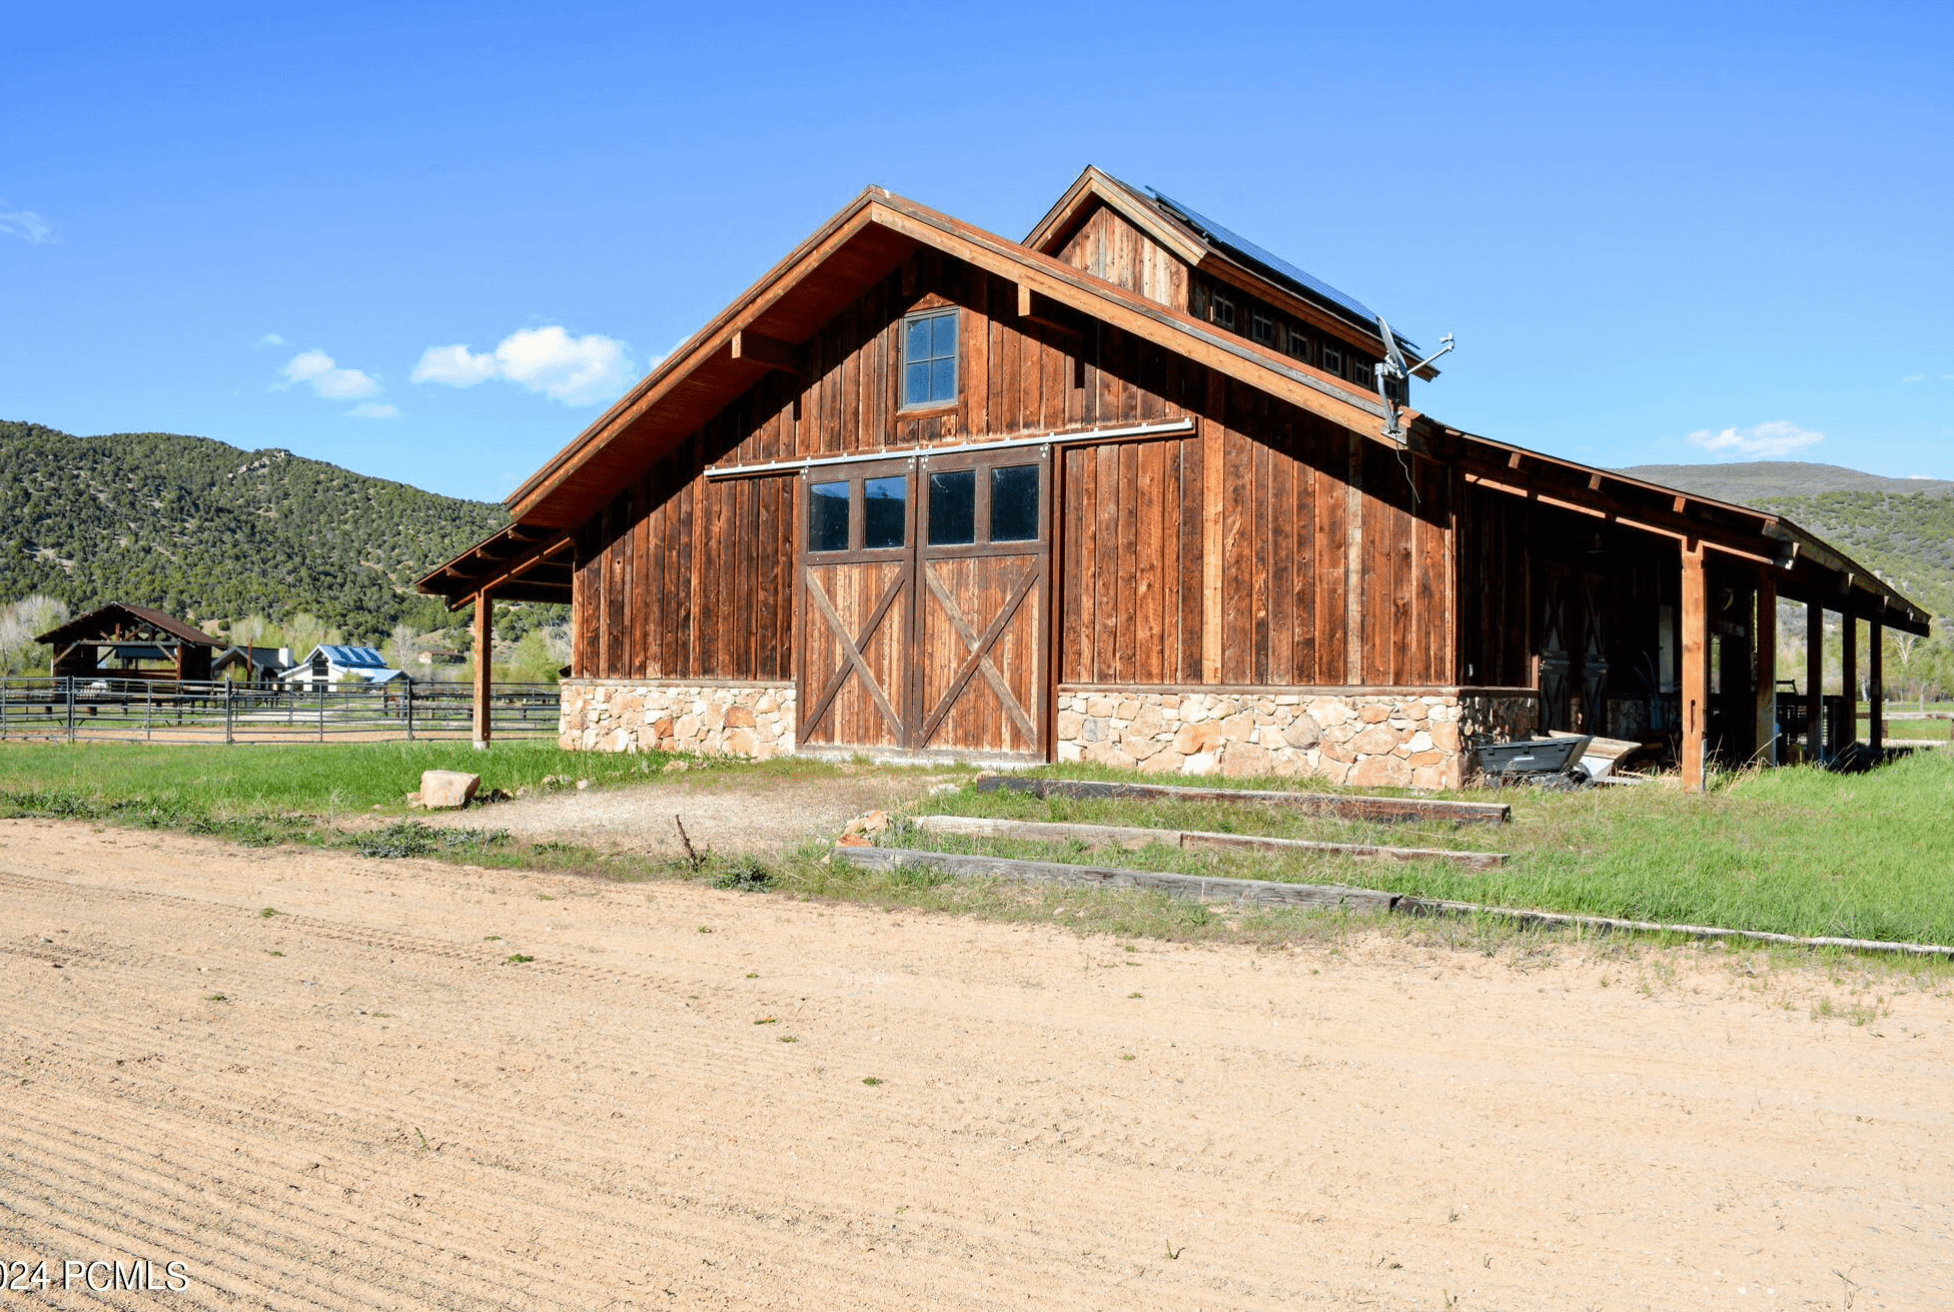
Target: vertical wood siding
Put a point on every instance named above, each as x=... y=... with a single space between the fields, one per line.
x=1107 y=246
x=1297 y=525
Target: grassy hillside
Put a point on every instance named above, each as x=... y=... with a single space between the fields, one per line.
x=207 y=530
x=1750 y=481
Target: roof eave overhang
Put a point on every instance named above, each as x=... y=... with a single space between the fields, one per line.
x=1808 y=567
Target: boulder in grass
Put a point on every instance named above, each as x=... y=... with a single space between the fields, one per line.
x=448 y=790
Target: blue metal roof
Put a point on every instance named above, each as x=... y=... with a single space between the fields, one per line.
x=357 y=658
x=1270 y=263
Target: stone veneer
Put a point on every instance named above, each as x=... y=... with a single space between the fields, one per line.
x=1412 y=738
x=641 y=715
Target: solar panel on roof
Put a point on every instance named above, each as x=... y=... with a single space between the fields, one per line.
x=1270 y=263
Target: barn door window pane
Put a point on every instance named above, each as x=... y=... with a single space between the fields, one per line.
x=885 y=507
x=1014 y=503
x=827 y=517
x=953 y=508
x=929 y=359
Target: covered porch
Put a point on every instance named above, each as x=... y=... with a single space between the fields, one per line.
x=516 y=563
x=1645 y=613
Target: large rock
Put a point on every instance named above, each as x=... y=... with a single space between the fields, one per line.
x=448 y=790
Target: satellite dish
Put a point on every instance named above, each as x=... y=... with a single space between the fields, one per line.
x=1394 y=369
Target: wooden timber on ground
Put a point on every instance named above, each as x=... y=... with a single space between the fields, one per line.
x=1199 y=888
x=1044 y=831
x=1196 y=888
x=1390 y=809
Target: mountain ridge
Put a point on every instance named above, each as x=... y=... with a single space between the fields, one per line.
x=208 y=530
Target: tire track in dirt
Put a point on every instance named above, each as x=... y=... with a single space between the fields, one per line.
x=1303 y=1135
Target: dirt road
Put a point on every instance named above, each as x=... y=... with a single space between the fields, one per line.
x=362 y=1101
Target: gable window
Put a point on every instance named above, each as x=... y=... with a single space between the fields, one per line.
x=1298 y=346
x=929 y=359
x=1262 y=328
x=1332 y=359
x=1223 y=311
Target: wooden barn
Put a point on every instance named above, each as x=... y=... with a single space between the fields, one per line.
x=1131 y=490
x=118 y=641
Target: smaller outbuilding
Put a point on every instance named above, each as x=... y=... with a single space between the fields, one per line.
x=332 y=664
x=257 y=666
x=120 y=641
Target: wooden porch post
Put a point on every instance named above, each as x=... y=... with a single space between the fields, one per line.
x=1765 y=638
x=484 y=666
x=1696 y=665
x=1814 y=682
x=1849 y=682
x=1876 y=681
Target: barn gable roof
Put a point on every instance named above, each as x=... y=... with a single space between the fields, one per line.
x=116 y=616
x=868 y=239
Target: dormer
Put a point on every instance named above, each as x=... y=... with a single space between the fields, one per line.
x=1148 y=243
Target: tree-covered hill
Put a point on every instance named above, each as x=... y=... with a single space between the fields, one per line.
x=206 y=530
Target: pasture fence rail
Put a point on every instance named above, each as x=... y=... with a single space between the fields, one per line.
x=221 y=711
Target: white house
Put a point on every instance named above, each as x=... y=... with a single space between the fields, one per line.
x=333 y=664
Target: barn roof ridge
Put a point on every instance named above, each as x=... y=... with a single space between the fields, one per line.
x=908 y=221
x=1199 y=240
x=168 y=623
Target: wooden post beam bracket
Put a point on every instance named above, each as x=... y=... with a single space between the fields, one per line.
x=768 y=352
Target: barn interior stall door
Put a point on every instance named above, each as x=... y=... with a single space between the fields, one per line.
x=1553 y=664
x=925 y=604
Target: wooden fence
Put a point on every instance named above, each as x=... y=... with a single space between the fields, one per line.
x=166 y=711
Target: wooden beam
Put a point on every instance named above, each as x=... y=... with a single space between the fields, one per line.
x=1031 y=311
x=1350 y=807
x=769 y=352
x=1849 y=677
x=1766 y=668
x=496 y=583
x=1876 y=684
x=1814 y=681
x=484 y=666
x=1199 y=888
x=1133 y=838
x=1696 y=667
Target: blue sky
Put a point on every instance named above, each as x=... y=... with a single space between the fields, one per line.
x=1660 y=234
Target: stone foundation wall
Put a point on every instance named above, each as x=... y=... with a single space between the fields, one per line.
x=1370 y=738
x=641 y=715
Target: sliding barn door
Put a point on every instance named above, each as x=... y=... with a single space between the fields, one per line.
x=858 y=570
x=925 y=607
x=983 y=602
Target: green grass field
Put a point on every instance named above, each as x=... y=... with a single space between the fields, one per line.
x=1796 y=851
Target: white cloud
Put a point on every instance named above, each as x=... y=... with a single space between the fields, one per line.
x=1776 y=438
x=574 y=370
x=26 y=225
x=269 y=339
x=327 y=378
x=1914 y=378
x=374 y=410
x=454 y=365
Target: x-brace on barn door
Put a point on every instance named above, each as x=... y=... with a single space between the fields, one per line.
x=926 y=604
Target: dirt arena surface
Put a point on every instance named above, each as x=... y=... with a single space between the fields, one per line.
x=383 y=1111
x=727 y=812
